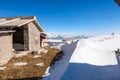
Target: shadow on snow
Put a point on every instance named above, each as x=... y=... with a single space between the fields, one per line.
x=82 y=71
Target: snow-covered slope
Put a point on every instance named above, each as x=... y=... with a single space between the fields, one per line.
x=94 y=59
x=97 y=50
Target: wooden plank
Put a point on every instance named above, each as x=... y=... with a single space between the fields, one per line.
x=7 y=21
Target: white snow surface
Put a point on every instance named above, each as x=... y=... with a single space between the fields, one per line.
x=97 y=50
x=57 y=70
x=40 y=64
x=3 y=68
x=89 y=59
x=20 y=64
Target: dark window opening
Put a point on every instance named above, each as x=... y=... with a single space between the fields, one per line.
x=18 y=39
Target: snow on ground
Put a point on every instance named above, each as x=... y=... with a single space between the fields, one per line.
x=46 y=72
x=37 y=56
x=89 y=59
x=40 y=64
x=42 y=50
x=93 y=53
x=20 y=63
x=3 y=68
x=59 y=68
x=21 y=54
x=94 y=59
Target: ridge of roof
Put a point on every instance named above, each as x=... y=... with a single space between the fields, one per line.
x=21 y=17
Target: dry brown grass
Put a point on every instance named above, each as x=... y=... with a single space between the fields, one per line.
x=29 y=71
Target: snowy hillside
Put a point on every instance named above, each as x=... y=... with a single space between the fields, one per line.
x=65 y=36
x=89 y=59
x=94 y=59
x=97 y=50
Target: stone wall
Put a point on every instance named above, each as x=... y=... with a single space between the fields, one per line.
x=5 y=47
x=26 y=38
x=34 y=37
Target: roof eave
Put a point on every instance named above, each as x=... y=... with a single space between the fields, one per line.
x=38 y=25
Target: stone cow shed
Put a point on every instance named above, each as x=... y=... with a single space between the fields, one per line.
x=19 y=34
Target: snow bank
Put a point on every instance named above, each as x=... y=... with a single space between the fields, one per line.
x=59 y=68
x=47 y=72
x=94 y=59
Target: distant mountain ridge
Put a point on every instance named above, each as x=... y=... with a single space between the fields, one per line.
x=66 y=36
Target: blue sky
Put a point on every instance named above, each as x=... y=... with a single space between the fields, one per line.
x=68 y=16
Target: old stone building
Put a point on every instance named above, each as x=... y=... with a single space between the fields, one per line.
x=20 y=34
